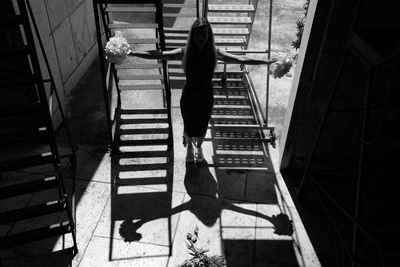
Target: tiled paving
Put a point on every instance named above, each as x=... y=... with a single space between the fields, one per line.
x=142 y=218
x=145 y=224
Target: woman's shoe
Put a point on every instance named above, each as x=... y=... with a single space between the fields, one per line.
x=189 y=155
x=199 y=155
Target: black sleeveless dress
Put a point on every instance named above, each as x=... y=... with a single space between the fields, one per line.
x=197 y=99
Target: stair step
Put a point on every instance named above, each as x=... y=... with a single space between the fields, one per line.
x=230 y=20
x=232 y=112
x=142 y=40
x=15 y=19
x=18 y=110
x=217 y=83
x=233 y=121
x=180 y=15
x=239 y=126
x=238 y=144
x=142 y=87
x=29 y=187
x=231 y=92
x=142 y=111
x=143 y=154
x=143 y=131
x=218 y=73
x=236 y=135
x=131 y=77
x=117 y=26
x=231 y=31
x=240 y=160
x=233 y=102
x=142 y=167
x=218 y=42
x=141 y=181
x=176 y=31
x=145 y=142
x=229 y=75
x=33 y=211
x=167 y=5
x=26 y=162
x=138 y=66
x=231 y=8
x=130 y=9
x=35 y=235
x=143 y=121
x=9 y=138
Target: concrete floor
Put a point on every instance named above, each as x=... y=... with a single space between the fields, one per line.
x=146 y=225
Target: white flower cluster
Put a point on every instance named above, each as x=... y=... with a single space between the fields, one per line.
x=282 y=66
x=117 y=49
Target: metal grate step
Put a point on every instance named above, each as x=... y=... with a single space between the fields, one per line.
x=27 y=188
x=233 y=121
x=142 y=121
x=143 y=154
x=142 y=111
x=148 y=142
x=231 y=31
x=141 y=181
x=232 y=160
x=236 y=135
x=230 y=8
x=231 y=102
x=26 y=162
x=140 y=77
x=130 y=9
x=143 y=40
x=33 y=211
x=138 y=66
x=117 y=26
x=143 y=131
x=230 y=20
x=35 y=235
x=39 y=135
x=143 y=167
x=232 y=112
x=142 y=87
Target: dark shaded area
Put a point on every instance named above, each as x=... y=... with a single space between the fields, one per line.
x=341 y=147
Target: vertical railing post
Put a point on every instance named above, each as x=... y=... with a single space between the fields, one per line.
x=103 y=71
x=269 y=56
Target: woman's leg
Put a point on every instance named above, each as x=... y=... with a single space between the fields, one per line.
x=189 y=148
x=199 y=150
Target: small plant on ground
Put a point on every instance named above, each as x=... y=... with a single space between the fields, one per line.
x=199 y=257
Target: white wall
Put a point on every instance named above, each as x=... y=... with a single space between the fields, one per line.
x=67 y=30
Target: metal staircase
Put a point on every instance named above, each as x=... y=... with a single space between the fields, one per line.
x=149 y=75
x=27 y=138
x=142 y=150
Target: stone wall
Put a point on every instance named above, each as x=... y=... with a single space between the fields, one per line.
x=68 y=32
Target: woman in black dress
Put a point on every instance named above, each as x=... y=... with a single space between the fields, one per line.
x=199 y=59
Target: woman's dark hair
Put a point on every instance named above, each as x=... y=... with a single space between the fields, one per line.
x=207 y=56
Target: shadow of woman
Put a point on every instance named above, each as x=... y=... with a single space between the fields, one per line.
x=204 y=203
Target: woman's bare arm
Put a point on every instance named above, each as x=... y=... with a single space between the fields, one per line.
x=175 y=54
x=231 y=58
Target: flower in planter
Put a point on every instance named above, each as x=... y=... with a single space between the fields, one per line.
x=199 y=257
x=117 y=49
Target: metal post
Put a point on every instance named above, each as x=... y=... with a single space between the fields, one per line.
x=103 y=71
x=269 y=56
